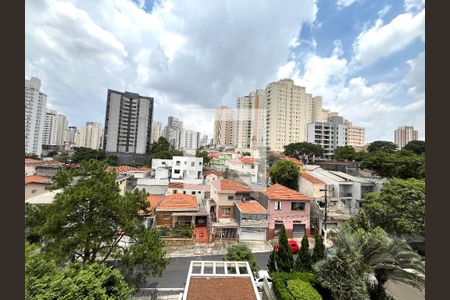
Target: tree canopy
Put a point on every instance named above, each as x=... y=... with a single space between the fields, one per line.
x=399 y=207
x=345 y=153
x=283 y=257
x=204 y=155
x=161 y=149
x=383 y=146
x=285 y=173
x=304 y=261
x=418 y=147
x=241 y=252
x=89 y=221
x=400 y=164
x=303 y=150
x=82 y=153
x=45 y=280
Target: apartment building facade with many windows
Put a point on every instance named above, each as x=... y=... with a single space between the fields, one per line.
x=329 y=135
x=405 y=134
x=224 y=126
x=35 y=109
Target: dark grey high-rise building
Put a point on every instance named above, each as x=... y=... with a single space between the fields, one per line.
x=128 y=126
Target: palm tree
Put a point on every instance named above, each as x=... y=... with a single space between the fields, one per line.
x=378 y=257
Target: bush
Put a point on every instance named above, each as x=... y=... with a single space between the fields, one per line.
x=302 y=290
x=280 y=281
x=182 y=232
x=242 y=253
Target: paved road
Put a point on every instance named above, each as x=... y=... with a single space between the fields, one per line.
x=176 y=272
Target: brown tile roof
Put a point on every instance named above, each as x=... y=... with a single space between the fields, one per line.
x=248 y=207
x=280 y=192
x=230 y=185
x=224 y=288
x=36 y=179
x=292 y=159
x=212 y=171
x=31 y=161
x=178 y=201
x=214 y=154
x=185 y=186
x=126 y=169
x=311 y=178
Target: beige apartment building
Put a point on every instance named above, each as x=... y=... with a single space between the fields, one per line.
x=224 y=126
x=356 y=136
x=156 y=131
x=405 y=134
x=288 y=111
x=91 y=135
x=250 y=124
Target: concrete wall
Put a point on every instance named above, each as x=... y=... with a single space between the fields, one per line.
x=34 y=189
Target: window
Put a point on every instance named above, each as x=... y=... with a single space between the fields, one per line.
x=277 y=205
x=193 y=193
x=192 y=164
x=231 y=197
x=33 y=191
x=176 y=171
x=177 y=163
x=184 y=192
x=166 y=216
x=226 y=211
x=175 y=191
x=298 y=206
x=199 y=163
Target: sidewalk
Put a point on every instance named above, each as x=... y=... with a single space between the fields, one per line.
x=215 y=248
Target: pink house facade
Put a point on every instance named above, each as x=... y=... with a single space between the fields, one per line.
x=289 y=208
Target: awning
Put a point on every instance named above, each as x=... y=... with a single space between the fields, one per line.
x=225 y=224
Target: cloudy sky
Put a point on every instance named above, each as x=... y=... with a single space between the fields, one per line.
x=365 y=58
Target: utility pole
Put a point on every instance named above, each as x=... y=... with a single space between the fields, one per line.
x=326 y=209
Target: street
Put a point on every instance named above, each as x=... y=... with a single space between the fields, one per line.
x=176 y=272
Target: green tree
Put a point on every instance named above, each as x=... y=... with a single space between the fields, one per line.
x=382 y=146
x=302 y=290
x=204 y=155
x=162 y=144
x=399 y=207
x=162 y=149
x=271 y=264
x=89 y=219
x=303 y=150
x=112 y=160
x=360 y=221
x=31 y=155
x=400 y=164
x=45 y=280
x=319 y=248
x=284 y=258
x=345 y=153
x=418 y=147
x=82 y=154
x=241 y=252
x=285 y=173
x=303 y=262
x=343 y=282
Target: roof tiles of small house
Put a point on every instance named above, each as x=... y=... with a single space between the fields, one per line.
x=292 y=159
x=185 y=186
x=214 y=154
x=244 y=160
x=311 y=178
x=225 y=288
x=125 y=169
x=230 y=185
x=154 y=201
x=178 y=201
x=250 y=207
x=212 y=171
x=36 y=179
x=31 y=161
x=280 y=192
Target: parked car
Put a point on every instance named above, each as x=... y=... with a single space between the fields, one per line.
x=259 y=280
x=293 y=244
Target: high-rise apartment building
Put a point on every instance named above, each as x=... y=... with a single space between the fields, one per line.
x=356 y=136
x=224 y=126
x=250 y=121
x=61 y=127
x=128 y=126
x=91 y=135
x=70 y=135
x=173 y=131
x=35 y=109
x=329 y=135
x=156 y=131
x=189 y=139
x=50 y=128
x=405 y=134
x=204 y=140
x=288 y=111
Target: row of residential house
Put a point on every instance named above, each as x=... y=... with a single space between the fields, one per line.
x=182 y=193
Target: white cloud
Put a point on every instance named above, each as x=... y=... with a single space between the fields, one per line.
x=414 y=5
x=416 y=76
x=345 y=3
x=382 y=40
x=183 y=52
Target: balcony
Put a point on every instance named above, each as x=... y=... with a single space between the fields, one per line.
x=345 y=195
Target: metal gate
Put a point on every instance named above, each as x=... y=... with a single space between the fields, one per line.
x=253 y=234
x=298 y=230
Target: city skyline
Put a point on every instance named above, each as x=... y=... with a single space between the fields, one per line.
x=168 y=50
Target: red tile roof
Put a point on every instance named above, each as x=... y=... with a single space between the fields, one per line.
x=230 y=185
x=36 y=179
x=248 y=207
x=311 y=178
x=214 y=154
x=280 y=192
x=292 y=159
x=154 y=201
x=244 y=160
x=31 y=161
x=178 y=201
x=212 y=171
x=185 y=186
x=126 y=169
x=224 y=288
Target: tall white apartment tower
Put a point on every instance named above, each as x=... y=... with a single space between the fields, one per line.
x=156 y=131
x=288 y=111
x=91 y=135
x=250 y=122
x=405 y=134
x=224 y=126
x=35 y=109
x=329 y=135
x=50 y=128
x=61 y=127
x=128 y=126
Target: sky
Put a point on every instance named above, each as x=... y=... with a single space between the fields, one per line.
x=365 y=58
